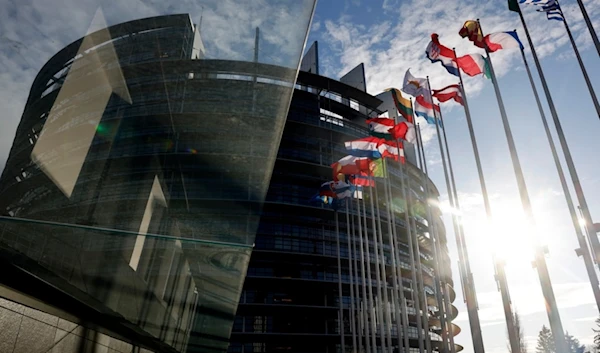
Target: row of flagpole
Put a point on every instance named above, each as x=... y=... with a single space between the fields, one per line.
x=365 y=329
x=476 y=34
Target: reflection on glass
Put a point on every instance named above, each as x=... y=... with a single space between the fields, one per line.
x=143 y=154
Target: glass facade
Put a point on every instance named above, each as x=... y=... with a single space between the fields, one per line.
x=291 y=297
x=131 y=193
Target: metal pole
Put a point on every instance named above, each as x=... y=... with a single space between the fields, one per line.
x=500 y=277
x=588 y=22
x=540 y=260
x=360 y=321
x=585 y=76
x=378 y=272
x=396 y=295
x=442 y=308
x=351 y=275
x=413 y=265
x=339 y=265
x=583 y=248
x=372 y=309
x=396 y=249
x=388 y=316
x=464 y=265
x=595 y=244
x=368 y=298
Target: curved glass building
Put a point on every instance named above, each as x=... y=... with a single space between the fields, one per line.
x=157 y=198
x=309 y=257
x=132 y=192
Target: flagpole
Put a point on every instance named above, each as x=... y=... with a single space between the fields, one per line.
x=339 y=266
x=589 y=224
x=588 y=22
x=413 y=265
x=540 y=260
x=583 y=69
x=442 y=298
x=396 y=253
x=372 y=304
x=500 y=275
x=467 y=277
x=583 y=250
x=365 y=321
x=378 y=270
x=395 y=248
x=351 y=272
x=387 y=308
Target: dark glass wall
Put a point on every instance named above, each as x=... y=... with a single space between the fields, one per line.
x=136 y=176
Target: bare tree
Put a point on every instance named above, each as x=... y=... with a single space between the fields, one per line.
x=520 y=334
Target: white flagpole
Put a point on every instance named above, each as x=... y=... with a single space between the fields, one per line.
x=540 y=260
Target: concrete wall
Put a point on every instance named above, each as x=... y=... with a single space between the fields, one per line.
x=27 y=330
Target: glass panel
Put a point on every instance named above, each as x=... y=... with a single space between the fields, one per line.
x=137 y=142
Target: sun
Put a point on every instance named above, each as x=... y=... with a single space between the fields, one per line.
x=509 y=237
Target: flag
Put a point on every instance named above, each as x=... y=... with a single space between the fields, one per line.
x=513 y=5
x=343 y=190
x=379 y=169
x=362 y=179
x=553 y=11
x=436 y=52
x=350 y=165
x=393 y=150
x=474 y=64
x=403 y=105
x=449 y=92
x=415 y=86
x=380 y=127
x=503 y=40
x=327 y=189
x=427 y=110
x=365 y=147
x=327 y=200
x=404 y=131
x=472 y=31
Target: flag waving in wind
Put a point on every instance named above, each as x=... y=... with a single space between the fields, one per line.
x=403 y=105
x=493 y=42
x=550 y=7
x=404 y=131
x=365 y=147
x=415 y=86
x=449 y=92
x=472 y=31
x=427 y=110
x=380 y=127
x=503 y=40
x=474 y=64
x=439 y=53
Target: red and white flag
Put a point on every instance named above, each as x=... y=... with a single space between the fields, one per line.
x=449 y=92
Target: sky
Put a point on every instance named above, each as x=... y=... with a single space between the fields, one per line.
x=389 y=37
